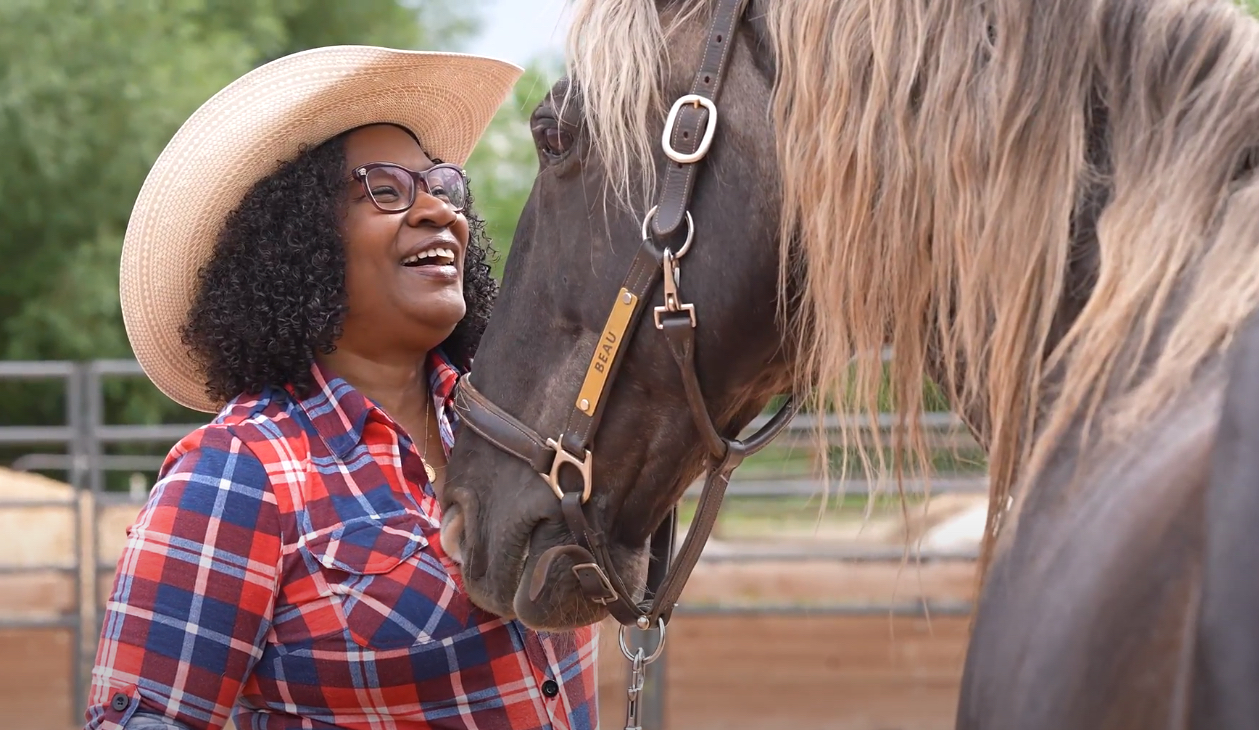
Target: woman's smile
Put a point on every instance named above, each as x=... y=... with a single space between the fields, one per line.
x=438 y=258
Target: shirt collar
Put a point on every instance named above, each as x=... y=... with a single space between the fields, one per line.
x=338 y=411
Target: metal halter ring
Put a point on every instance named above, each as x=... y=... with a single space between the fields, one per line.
x=690 y=231
x=653 y=656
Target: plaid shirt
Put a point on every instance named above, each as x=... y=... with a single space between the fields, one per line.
x=288 y=563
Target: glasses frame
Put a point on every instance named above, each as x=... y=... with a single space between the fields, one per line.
x=420 y=180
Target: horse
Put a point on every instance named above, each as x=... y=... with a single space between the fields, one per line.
x=1048 y=208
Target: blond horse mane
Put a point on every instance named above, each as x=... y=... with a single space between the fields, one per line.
x=941 y=161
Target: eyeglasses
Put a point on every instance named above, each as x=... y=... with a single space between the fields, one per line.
x=391 y=187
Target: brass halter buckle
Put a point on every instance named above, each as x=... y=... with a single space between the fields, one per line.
x=562 y=457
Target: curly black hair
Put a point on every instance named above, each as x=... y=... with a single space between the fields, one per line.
x=272 y=295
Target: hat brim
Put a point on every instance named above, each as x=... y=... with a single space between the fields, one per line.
x=244 y=133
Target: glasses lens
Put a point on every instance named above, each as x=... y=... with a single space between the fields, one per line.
x=447 y=184
x=392 y=189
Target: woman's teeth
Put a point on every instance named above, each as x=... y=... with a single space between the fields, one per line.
x=437 y=256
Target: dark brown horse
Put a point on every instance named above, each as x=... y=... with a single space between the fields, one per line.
x=1050 y=207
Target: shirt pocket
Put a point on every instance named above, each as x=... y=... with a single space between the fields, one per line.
x=383 y=585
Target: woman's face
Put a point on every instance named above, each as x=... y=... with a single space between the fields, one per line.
x=396 y=307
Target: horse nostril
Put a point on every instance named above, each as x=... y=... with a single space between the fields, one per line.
x=452 y=533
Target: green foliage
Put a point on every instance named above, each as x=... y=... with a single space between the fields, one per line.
x=393 y=23
x=503 y=166
x=90 y=92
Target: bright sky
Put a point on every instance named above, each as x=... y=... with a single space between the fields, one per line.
x=518 y=30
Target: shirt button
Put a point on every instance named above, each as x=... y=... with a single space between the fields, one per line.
x=120 y=702
x=550 y=688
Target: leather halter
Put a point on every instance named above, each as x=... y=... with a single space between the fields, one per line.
x=687 y=137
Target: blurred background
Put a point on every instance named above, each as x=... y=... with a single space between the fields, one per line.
x=807 y=610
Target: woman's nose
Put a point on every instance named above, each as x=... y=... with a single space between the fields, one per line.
x=431 y=210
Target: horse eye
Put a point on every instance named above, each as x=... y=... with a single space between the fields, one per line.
x=555 y=141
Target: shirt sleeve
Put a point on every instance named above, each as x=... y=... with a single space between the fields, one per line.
x=194 y=590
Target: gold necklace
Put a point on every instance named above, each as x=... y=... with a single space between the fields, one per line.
x=428 y=468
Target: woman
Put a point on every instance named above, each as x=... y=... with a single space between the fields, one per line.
x=286 y=567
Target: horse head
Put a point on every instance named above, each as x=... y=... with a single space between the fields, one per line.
x=566 y=337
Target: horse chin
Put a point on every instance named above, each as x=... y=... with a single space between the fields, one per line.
x=485 y=596
x=560 y=607
x=502 y=575
x=553 y=600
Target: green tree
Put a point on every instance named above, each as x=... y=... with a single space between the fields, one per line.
x=394 y=23
x=504 y=164
x=90 y=92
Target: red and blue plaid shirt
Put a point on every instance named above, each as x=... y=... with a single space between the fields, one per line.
x=288 y=564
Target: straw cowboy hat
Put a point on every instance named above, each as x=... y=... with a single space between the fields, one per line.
x=242 y=134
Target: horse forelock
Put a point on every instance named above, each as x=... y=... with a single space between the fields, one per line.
x=933 y=156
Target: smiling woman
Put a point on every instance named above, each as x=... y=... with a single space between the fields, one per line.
x=304 y=261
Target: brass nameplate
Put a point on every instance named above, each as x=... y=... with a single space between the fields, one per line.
x=605 y=352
